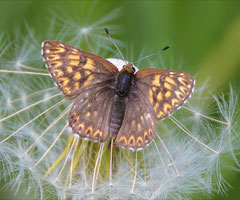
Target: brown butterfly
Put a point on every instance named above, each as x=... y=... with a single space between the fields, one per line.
x=112 y=103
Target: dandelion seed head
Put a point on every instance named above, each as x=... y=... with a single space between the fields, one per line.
x=46 y=95
x=8 y=101
x=173 y=166
x=85 y=30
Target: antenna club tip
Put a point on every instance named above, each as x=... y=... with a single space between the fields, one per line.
x=106 y=30
x=166 y=47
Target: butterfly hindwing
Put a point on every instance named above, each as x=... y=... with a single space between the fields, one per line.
x=138 y=126
x=90 y=114
x=163 y=90
x=73 y=70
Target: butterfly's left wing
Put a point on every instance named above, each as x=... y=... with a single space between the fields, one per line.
x=75 y=70
x=155 y=94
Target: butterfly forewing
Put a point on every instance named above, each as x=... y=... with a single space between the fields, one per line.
x=163 y=90
x=74 y=70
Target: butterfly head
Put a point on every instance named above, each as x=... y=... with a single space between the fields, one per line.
x=129 y=68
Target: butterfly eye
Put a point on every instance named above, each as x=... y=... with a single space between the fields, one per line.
x=133 y=68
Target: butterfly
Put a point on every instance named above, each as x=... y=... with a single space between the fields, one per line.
x=108 y=103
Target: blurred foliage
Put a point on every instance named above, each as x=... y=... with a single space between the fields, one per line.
x=204 y=35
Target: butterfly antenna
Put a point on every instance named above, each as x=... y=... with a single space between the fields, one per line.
x=165 y=48
x=109 y=36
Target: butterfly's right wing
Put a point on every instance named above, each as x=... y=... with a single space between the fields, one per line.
x=155 y=94
x=90 y=114
x=73 y=69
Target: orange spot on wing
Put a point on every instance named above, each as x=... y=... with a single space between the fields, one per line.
x=166 y=107
x=74 y=62
x=69 y=69
x=151 y=96
x=76 y=86
x=156 y=107
x=88 y=114
x=160 y=114
x=159 y=96
x=175 y=102
x=156 y=80
x=54 y=57
x=55 y=64
x=74 y=52
x=167 y=86
x=67 y=90
x=88 y=81
x=89 y=131
x=81 y=127
x=140 y=141
x=123 y=139
x=73 y=57
x=154 y=89
x=170 y=80
x=89 y=65
x=97 y=134
x=57 y=50
x=184 y=90
x=77 y=76
x=133 y=123
x=183 y=81
x=139 y=127
x=146 y=136
x=168 y=94
x=57 y=72
x=63 y=81
x=131 y=141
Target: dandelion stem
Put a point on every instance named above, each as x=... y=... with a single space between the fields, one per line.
x=185 y=130
x=207 y=117
x=28 y=107
x=49 y=127
x=84 y=173
x=169 y=155
x=32 y=94
x=76 y=138
x=135 y=175
x=110 y=173
x=97 y=165
x=59 y=103
x=24 y=72
x=72 y=164
x=54 y=142
x=61 y=157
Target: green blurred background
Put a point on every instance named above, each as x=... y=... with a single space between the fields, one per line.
x=204 y=36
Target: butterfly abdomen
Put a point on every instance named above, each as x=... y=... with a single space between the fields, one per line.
x=117 y=115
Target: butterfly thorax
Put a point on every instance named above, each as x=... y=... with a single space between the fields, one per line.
x=124 y=80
